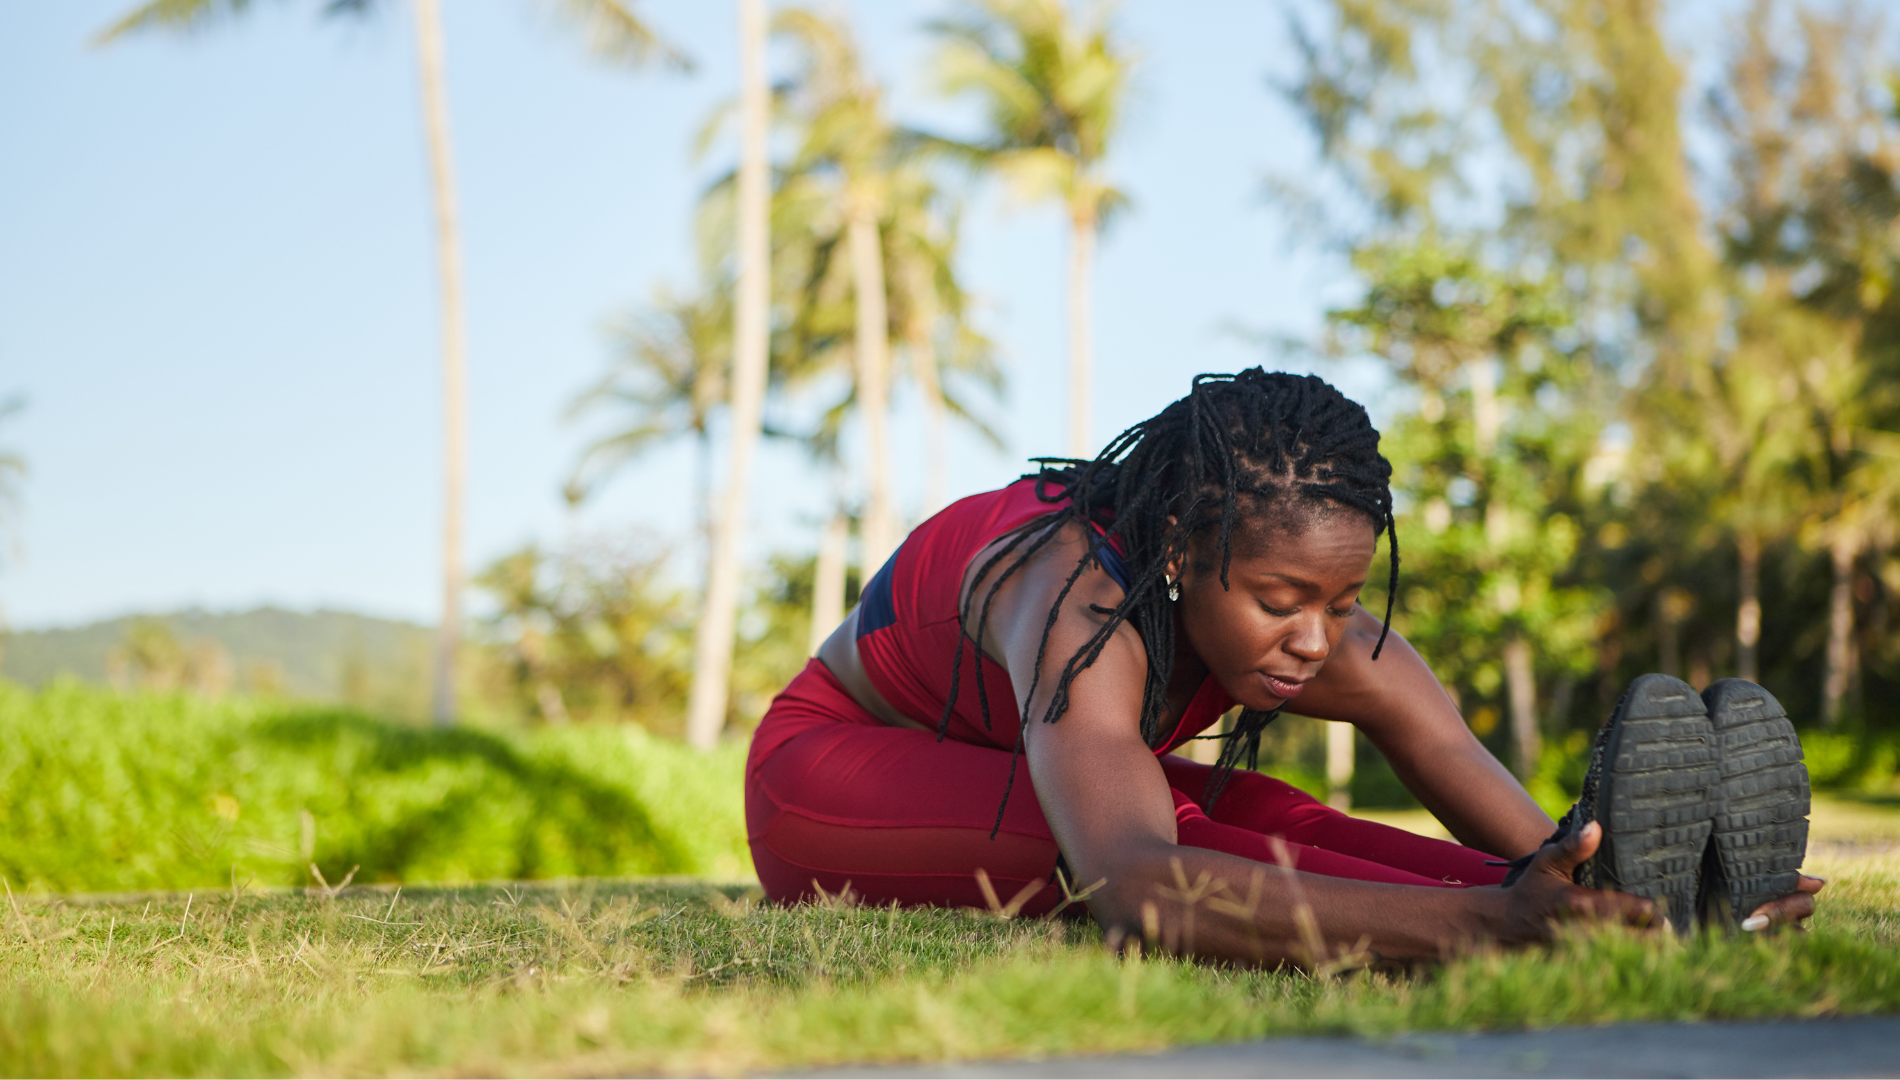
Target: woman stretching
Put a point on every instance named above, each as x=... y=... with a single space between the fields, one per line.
x=1075 y=627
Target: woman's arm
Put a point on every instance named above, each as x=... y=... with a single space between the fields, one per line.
x=1403 y=709
x=1107 y=802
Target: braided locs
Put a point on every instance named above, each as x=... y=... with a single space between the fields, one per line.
x=1292 y=445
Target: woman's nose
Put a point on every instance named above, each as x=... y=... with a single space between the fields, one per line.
x=1308 y=640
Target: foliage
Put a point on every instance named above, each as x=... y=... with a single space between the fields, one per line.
x=1488 y=470
x=377 y=665
x=102 y=790
x=646 y=978
x=851 y=156
x=1053 y=87
x=1691 y=468
x=595 y=632
x=598 y=633
x=152 y=657
x=668 y=378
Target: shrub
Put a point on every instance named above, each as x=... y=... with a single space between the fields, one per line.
x=101 y=790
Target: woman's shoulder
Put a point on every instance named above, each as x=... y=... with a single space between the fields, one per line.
x=1030 y=579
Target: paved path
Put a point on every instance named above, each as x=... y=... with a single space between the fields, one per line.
x=1867 y=1046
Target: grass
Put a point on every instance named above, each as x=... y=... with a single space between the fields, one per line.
x=645 y=977
x=243 y=974
x=105 y=791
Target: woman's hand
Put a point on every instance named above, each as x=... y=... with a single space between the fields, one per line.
x=1545 y=895
x=1790 y=909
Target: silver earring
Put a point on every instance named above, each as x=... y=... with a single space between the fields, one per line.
x=1174 y=591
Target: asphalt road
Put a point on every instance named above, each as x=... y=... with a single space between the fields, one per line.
x=1865 y=1046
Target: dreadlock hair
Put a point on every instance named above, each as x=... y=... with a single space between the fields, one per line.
x=1292 y=444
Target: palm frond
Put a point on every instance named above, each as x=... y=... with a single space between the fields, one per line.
x=614 y=33
x=176 y=16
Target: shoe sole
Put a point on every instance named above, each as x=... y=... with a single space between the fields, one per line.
x=1761 y=819
x=1657 y=796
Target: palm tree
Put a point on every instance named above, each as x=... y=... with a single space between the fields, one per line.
x=713 y=639
x=847 y=150
x=668 y=378
x=862 y=183
x=1053 y=87
x=931 y=313
x=614 y=32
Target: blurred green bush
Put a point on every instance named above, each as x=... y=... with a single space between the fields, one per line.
x=102 y=790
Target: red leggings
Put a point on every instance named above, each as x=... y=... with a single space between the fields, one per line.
x=834 y=796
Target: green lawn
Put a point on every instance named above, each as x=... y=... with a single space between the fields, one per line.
x=642 y=976
x=244 y=975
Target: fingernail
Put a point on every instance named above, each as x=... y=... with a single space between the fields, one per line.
x=1754 y=922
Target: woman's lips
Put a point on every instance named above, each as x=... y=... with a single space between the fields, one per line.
x=1284 y=689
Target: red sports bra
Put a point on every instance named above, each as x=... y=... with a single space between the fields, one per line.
x=908 y=630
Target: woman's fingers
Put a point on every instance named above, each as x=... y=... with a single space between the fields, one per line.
x=1563 y=857
x=1794 y=907
x=1605 y=906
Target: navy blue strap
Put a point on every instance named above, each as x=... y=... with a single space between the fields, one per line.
x=876 y=608
x=1113 y=564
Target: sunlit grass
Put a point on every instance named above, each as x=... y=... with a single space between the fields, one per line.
x=102 y=791
x=629 y=976
x=239 y=975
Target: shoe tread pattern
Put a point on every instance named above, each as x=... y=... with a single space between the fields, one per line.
x=1656 y=795
x=1761 y=818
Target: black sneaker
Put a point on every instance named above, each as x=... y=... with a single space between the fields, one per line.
x=1761 y=814
x=1653 y=784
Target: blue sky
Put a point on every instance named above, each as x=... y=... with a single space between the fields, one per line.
x=217 y=290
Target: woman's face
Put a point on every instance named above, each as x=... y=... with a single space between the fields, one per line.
x=1291 y=593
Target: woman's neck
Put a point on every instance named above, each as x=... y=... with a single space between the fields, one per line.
x=1188 y=674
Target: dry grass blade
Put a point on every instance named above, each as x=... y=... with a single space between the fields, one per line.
x=1015 y=905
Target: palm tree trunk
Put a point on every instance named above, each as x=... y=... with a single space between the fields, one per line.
x=827 y=586
x=1487 y=415
x=1840 y=630
x=703 y=502
x=1668 y=637
x=878 y=536
x=1081 y=389
x=1339 y=755
x=923 y=360
x=1521 y=684
x=448 y=251
x=1748 y=612
x=713 y=641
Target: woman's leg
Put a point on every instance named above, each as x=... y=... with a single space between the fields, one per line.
x=836 y=798
x=1258 y=804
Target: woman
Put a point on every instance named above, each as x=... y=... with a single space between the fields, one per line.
x=1211 y=556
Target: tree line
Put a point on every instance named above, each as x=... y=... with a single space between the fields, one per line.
x=809 y=266
x=1641 y=332
x=1647 y=337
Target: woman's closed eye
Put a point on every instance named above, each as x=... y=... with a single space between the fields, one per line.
x=1284 y=613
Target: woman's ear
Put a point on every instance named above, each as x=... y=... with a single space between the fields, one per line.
x=1176 y=561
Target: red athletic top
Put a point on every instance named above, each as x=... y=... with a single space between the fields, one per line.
x=907 y=625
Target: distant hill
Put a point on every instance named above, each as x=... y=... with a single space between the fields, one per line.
x=380 y=664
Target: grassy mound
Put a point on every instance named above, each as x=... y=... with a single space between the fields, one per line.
x=107 y=791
